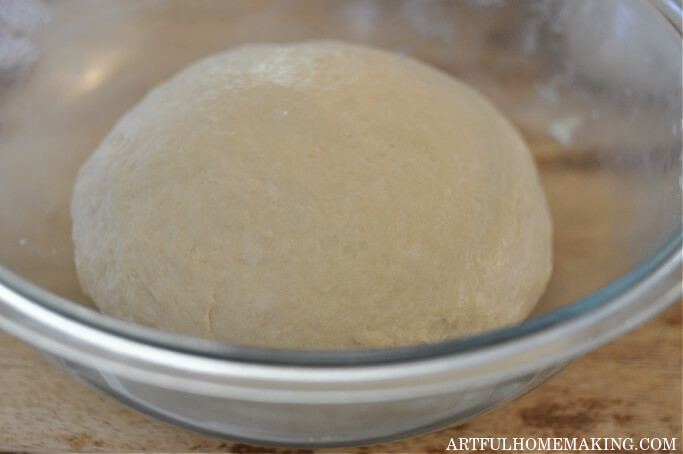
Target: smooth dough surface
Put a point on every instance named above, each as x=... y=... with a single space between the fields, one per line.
x=315 y=195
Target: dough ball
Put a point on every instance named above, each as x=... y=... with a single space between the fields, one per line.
x=315 y=195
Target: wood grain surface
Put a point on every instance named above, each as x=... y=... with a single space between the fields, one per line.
x=628 y=388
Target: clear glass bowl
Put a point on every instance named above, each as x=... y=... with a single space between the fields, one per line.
x=595 y=87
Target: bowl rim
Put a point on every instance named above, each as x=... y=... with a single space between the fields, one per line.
x=26 y=309
x=16 y=286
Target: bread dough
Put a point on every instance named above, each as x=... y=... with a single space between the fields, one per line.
x=315 y=195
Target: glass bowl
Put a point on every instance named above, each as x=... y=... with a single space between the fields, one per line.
x=595 y=87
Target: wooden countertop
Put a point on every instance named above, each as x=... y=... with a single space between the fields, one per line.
x=628 y=388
